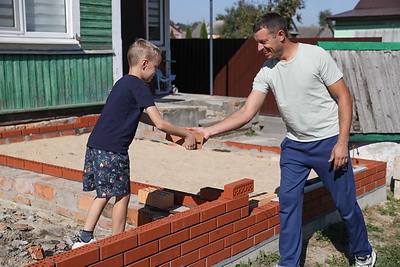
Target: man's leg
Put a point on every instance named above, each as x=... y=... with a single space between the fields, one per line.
x=341 y=186
x=293 y=177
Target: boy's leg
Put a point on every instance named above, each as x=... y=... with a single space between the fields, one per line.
x=341 y=186
x=95 y=210
x=293 y=177
x=119 y=213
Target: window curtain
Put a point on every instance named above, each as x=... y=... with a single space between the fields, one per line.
x=45 y=15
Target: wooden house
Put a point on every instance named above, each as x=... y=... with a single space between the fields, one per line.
x=370 y=18
x=67 y=54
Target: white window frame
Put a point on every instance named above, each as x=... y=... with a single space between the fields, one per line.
x=19 y=34
x=160 y=42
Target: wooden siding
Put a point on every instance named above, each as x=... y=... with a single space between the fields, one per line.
x=96 y=24
x=47 y=81
x=373 y=77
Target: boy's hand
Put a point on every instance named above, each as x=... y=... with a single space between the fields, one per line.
x=190 y=142
x=199 y=140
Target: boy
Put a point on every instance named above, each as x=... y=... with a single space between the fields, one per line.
x=107 y=162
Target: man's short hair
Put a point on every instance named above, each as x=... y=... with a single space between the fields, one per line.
x=273 y=22
x=141 y=49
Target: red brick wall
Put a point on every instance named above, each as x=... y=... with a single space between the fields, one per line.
x=221 y=224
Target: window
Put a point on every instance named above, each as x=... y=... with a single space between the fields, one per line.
x=37 y=19
x=155 y=21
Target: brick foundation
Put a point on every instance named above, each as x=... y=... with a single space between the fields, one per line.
x=215 y=226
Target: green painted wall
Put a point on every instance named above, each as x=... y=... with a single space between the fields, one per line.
x=96 y=24
x=45 y=81
x=51 y=81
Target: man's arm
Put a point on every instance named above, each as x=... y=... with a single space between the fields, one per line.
x=339 y=153
x=253 y=104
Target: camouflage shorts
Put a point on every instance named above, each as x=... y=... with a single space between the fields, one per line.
x=106 y=172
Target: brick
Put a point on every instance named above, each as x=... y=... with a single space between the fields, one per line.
x=30 y=131
x=36 y=252
x=195 y=243
x=140 y=252
x=244 y=223
x=237 y=203
x=236 y=237
x=200 y=263
x=17 y=139
x=76 y=175
x=33 y=166
x=156 y=198
x=12 y=133
x=142 y=263
x=117 y=260
x=263 y=199
x=211 y=248
x=164 y=256
x=153 y=231
x=264 y=235
x=82 y=256
x=22 y=200
x=52 y=134
x=3 y=159
x=173 y=239
x=241 y=246
x=185 y=259
x=46 y=129
x=138 y=216
x=218 y=256
x=238 y=189
x=273 y=221
x=257 y=228
x=63 y=127
x=317 y=193
x=183 y=220
x=36 y=137
x=202 y=228
x=44 y=191
x=180 y=141
x=67 y=133
x=7 y=184
x=24 y=186
x=210 y=210
x=265 y=212
x=117 y=244
x=210 y=193
x=53 y=170
x=221 y=232
x=228 y=217
x=15 y=162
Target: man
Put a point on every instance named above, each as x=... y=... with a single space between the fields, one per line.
x=316 y=106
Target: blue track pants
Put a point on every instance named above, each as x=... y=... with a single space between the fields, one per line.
x=297 y=160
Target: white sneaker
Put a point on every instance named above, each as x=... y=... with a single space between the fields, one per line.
x=368 y=261
x=80 y=243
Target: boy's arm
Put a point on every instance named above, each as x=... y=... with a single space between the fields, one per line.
x=154 y=118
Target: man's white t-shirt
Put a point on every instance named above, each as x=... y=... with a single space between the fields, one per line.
x=300 y=88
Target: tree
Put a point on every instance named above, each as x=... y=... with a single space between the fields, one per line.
x=240 y=18
x=203 y=31
x=188 y=34
x=322 y=17
x=171 y=35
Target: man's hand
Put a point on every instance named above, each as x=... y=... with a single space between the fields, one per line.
x=201 y=130
x=339 y=156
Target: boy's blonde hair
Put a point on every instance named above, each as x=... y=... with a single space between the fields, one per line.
x=141 y=49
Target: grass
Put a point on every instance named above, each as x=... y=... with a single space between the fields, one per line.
x=383 y=225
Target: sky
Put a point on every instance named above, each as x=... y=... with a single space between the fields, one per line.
x=189 y=11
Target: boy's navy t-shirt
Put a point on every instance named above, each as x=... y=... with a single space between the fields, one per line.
x=119 y=119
